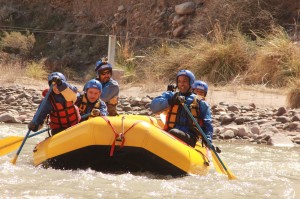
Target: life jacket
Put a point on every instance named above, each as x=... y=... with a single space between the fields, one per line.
x=173 y=113
x=83 y=102
x=63 y=115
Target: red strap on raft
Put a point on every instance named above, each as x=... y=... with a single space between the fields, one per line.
x=119 y=136
x=116 y=135
x=123 y=134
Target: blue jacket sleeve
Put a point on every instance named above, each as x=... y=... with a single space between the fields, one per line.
x=68 y=91
x=103 y=109
x=45 y=110
x=207 y=119
x=160 y=103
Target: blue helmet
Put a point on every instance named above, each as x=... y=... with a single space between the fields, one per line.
x=93 y=83
x=102 y=65
x=56 y=75
x=187 y=73
x=200 y=85
x=98 y=64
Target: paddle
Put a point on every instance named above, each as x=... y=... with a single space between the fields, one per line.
x=13 y=142
x=14 y=160
x=220 y=166
x=217 y=164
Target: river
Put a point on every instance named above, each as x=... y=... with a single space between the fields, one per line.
x=262 y=172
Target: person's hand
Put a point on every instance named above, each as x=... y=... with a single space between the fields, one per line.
x=181 y=99
x=96 y=112
x=176 y=100
x=171 y=87
x=57 y=80
x=32 y=126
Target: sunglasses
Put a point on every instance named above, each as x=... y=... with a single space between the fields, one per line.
x=105 y=73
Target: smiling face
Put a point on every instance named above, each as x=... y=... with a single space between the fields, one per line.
x=93 y=94
x=183 y=83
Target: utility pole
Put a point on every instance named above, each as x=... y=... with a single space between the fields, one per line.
x=111 y=49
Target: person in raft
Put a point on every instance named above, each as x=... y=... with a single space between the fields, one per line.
x=89 y=102
x=110 y=87
x=200 y=88
x=60 y=106
x=178 y=122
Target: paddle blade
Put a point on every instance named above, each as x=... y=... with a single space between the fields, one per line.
x=231 y=176
x=217 y=164
x=219 y=168
x=9 y=144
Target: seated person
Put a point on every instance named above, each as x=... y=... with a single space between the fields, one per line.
x=200 y=88
x=110 y=87
x=60 y=105
x=178 y=121
x=90 y=102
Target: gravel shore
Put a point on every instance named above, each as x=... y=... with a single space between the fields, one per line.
x=277 y=126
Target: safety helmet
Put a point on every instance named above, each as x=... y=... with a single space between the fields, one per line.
x=186 y=73
x=93 y=83
x=200 y=85
x=56 y=75
x=102 y=65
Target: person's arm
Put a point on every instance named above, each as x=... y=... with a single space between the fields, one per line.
x=108 y=92
x=39 y=121
x=78 y=100
x=68 y=91
x=207 y=120
x=103 y=109
x=160 y=103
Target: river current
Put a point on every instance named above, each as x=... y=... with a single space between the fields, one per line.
x=262 y=172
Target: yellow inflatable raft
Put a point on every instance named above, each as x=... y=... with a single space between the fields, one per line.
x=128 y=143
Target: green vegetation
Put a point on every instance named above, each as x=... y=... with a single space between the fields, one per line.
x=11 y=71
x=293 y=98
x=126 y=60
x=36 y=70
x=277 y=60
x=270 y=58
x=17 y=43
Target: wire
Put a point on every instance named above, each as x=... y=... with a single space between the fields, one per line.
x=24 y=29
x=36 y=30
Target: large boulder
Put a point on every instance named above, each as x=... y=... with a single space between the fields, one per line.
x=279 y=139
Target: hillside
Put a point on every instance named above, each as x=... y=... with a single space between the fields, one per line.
x=72 y=33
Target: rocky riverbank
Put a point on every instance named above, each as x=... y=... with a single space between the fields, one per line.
x=261 y=125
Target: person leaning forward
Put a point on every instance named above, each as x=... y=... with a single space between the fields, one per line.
x=178 y=122
x=89 y=102
x=60 y=106
x=110 y=87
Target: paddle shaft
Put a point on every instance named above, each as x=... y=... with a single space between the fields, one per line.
x=42 y=131
x=34 y=119
x=204 y=136
x=8 y=145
